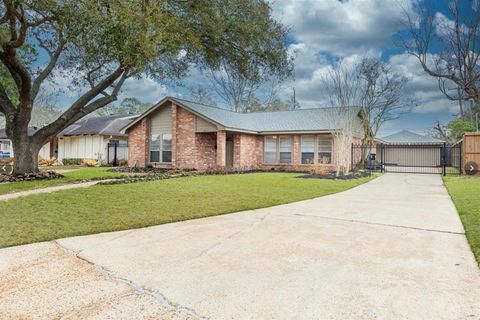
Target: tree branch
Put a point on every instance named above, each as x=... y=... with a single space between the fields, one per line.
x=48 y=69
x=81 y=107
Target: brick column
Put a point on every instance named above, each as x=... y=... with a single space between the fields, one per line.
x=138 y=144
x=174 y=135
x=221 y=148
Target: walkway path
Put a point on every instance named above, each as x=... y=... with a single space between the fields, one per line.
x=14 y=195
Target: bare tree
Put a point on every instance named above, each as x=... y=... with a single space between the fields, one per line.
x=381 y=95
x=448 y=49
x=342 y=86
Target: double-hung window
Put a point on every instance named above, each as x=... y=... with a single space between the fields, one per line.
x=278 y=149
x=161 y=147
x=270 y=152
x=307 y=144
x=324 y=150
x=316 y=149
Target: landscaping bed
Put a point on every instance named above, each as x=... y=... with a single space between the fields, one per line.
x=333 y=176
x=45 y=175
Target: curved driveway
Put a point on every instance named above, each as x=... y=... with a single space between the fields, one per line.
x=393 y=248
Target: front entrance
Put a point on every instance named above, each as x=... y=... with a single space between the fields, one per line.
x=229 y=152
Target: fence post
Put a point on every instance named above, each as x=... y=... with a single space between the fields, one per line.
x=382 y=158
x=351 y=158
x=444 y=159
x=115 y=155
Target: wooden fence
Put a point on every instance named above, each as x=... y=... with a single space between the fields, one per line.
x=471 y=149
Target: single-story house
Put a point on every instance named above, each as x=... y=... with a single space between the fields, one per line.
x=90 y=138
x=6 y=149
x=183 y=134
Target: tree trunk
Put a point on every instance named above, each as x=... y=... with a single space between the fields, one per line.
x=25 y=150
x=25 y=158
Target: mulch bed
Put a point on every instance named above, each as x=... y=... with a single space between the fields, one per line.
x=139 y=170
x=332 y=176
x=29 y=176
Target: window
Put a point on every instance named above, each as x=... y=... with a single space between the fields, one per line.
x=270 y=154
x=278 y=149
x=324 y=150
x=307 y=144
x=155 y=148
x=161 y=147
x=285 y=149
x=5 y=145
x=166 y=148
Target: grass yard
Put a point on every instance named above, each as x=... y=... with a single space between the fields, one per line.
x=465 y=192
x=126 y=206
x=79 y=174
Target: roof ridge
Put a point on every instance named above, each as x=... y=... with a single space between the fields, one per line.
x=270 y=111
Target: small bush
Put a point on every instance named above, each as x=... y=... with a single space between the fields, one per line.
x=48 y=162
x=89 y=162
x=72 y=161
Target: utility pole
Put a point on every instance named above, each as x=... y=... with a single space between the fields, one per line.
x=294 y=101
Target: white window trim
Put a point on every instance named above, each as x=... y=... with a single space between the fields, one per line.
x=277 y=150
x=160 y=156
x=315 y=152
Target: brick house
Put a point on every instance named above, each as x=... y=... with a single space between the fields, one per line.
x=177 y=133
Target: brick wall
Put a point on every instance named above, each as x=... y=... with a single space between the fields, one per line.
x=206 y=157
x=138 y=144
x=250 y=151
x=221 y=145
x=186 y=147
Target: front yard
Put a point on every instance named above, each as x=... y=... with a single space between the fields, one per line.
x=125 y=206
x=465 y=192
x=77 y=174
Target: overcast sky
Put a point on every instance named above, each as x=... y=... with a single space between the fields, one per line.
x=323 y=31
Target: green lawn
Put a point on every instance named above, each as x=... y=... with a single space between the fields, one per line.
x=79 y=174
x=126 y=206
x=465 y=192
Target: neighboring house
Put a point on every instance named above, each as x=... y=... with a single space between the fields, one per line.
x=6 y=149
x=183 y=134
x=89 y=139
x=406 y=149
x=406 y=137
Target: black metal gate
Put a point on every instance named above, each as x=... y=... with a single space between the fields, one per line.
x=408 y=158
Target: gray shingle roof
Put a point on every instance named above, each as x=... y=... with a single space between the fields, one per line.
x=107 y=126
x=408 y=137
x=315 y=119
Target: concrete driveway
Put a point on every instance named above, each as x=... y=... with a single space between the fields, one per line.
x=390 y=249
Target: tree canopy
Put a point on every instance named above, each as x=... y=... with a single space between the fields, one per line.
x=101 y=43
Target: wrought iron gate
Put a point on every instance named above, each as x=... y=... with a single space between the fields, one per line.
x=408 y=158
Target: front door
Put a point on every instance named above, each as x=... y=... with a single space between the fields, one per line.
x=229 y=153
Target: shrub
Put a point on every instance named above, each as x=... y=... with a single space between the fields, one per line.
x=89 y=162
x=72 y=161
x=48 y=162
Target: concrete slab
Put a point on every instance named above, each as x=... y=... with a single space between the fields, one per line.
x=390 y=249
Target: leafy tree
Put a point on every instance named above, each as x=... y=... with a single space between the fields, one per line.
x=128 y=105
x=202 y=95
x=103 y=43
x=458 y=127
